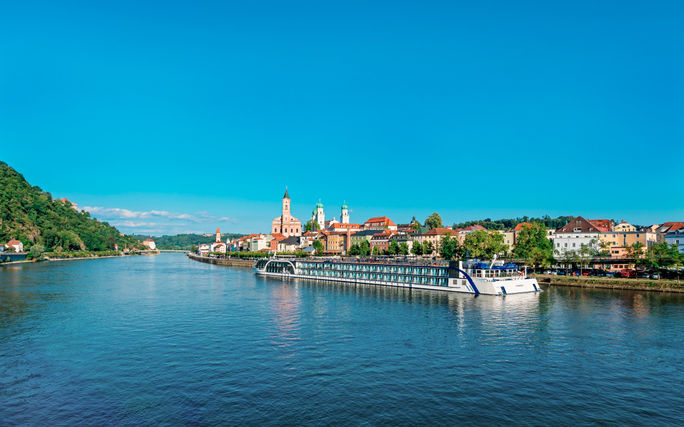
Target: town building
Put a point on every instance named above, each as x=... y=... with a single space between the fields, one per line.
x=379 y=223
x=669 y=227
x=204 y=249
x=14 y=245
x=402 y=237
x=149 y=244
x=434 y=236
x=463 y=232
x=575 y=235
x=242 y=243
x=286 y=224
x=260 y=242
x=380 y=241
x=335 y=242
x=618 y=242
x=290 y=244
x=624 y=226
x=342 y=226
x=276 y=238
x=362 y=235
x=676 y=237
x=602 y=224
x=218 y=245
x=509 y=237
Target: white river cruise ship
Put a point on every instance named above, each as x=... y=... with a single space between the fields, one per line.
x=472 y=277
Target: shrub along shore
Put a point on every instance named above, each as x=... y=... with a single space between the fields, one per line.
x=612 y=283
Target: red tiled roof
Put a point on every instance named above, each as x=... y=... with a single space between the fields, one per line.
x=522 y=225
x=474 y=228
x=581 y=223
x=602 y=224
x=13 y=242
x=673 y=225
x=278 y=236
x=382 y=219
x=343 y=225
x=440 y=232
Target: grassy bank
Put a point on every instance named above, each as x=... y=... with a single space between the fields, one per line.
x=613 y=283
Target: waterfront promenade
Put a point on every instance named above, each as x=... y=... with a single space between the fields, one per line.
x=612 y=283
x=227 y=262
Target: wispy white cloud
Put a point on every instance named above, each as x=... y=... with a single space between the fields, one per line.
x=127 y=213
x=143 y=222
x=133 y=224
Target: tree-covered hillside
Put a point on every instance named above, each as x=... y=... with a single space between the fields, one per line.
x=184 y=241
x=29 y=214
x=507 y=223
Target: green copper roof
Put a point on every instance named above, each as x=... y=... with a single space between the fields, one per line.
x=319 y=205
x=286 y=196
x=344 y=205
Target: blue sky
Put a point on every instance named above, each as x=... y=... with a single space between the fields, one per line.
x=165 y=117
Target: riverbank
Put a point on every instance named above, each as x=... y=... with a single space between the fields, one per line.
x=228 y=262
x=74 y=258
x=612 y=283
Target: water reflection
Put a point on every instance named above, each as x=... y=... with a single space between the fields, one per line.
x=285 y=307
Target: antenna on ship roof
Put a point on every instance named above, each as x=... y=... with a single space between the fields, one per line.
x=493 y=260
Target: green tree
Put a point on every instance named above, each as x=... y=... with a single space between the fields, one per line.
x=605 y=249
x=393 y=248
x=533 y=245
x=403 y=248
x=376 y=250
x=364 y=248
x=318 y=247
x=311 y=225
x=482 y=244
x=417 y=248
x=434 y=221
x=37 y=251
x=354 y=250
x=636 y=252
x=428 y=247
x=449 y=247
x=586 y=253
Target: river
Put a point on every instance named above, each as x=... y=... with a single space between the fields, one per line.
x=166 y=340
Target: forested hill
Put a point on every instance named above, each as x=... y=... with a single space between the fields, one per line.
x=184 y=241
x=508 y=223
x=29 y=214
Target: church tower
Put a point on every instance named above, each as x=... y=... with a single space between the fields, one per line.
x=344 y=215
x=286 y=206
x=218 y=235
x=285 y=224
x=319 y=215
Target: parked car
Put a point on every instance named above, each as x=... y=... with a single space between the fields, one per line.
x=655 y=276
x=626 y=273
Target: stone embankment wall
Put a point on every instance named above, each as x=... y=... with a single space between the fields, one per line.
x=613 y=283
x=229 y=262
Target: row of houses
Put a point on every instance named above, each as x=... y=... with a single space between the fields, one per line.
x=600 y=235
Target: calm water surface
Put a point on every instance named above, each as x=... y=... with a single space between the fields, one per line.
x=163 y=339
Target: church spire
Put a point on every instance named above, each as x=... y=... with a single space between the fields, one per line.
x=286 y=196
